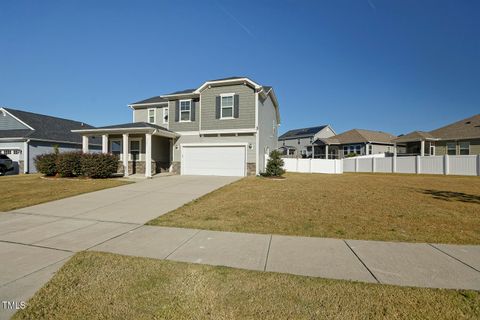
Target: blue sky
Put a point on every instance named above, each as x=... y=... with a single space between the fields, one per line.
x=395 y=66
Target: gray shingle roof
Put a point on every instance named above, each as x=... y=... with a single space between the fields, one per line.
x=301 y=133
x=134 y=125
x=464 y=129
x=360 y=136
x=156 y=99
x=47 y=128
x=415 y=136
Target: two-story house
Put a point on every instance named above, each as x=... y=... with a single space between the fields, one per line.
x=224 y=127
x=299 y=142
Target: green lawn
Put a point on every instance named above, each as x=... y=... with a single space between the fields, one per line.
x=27 y=190
x=106 y=286
x=417 y=208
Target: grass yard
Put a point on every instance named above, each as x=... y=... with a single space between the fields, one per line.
x=416 y=208
x=27 y=190
x=96 y=285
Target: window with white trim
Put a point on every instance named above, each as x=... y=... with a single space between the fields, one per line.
x=451 y=148
x=464 y=148
x=226 y=106
x=185 y=110
x=165 y=115
x=151 y=115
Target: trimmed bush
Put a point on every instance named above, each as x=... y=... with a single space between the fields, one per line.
x=274 y=165
x=46 y=163
x=98 y=165
x=69 y=164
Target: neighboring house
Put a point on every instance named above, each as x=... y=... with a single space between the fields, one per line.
x=224 y=127
x=459 y=138
x=356 y=141
x=24 y=135
x=298 y=142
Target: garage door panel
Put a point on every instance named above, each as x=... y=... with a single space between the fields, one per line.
x=214 y=160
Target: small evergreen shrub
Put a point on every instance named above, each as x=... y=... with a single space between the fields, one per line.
x=351 y=155
x=98 y=165
x=69 y=164
x=46 y=163
x=274 y=165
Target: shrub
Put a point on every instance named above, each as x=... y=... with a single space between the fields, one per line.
x=274 y=165
x=46 y=163
x=351 y=155
x=69 y=164
x=98 y=165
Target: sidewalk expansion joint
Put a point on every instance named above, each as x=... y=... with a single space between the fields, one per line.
x=182 y=244
x=361 y=261
x=268 y=253
x=36 y=246
x=114 y=237
x=464 y=263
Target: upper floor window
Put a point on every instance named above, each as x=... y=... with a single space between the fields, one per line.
x=151 y=115
x=226 y=109
x=185 y=110
x=451 y=148
x=464 y=148
x=165 y=115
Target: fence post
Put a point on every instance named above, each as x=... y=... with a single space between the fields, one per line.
x=310 y=166
x=335 y=166
x=418 y=167
x=356 y=165
x=394 y=164
x=478 y=165
x=445 y=164
x=374 y=161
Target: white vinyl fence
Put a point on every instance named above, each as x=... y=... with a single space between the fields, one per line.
x=454 y=165
x=313 y=165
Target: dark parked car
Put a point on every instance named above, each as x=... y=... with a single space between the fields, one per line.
x=6 y=164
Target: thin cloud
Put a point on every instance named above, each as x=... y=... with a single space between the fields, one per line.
x=231 y=16
x=372 y=5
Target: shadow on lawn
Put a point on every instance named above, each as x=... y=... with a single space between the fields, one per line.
x=452 y=196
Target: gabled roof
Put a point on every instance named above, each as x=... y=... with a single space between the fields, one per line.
x=46 y=128
x=415 y=136
x=152 y=100
x=360 y=136
x=302 y=132
x=464 y=129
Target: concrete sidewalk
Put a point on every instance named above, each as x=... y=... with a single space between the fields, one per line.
x=405 y=264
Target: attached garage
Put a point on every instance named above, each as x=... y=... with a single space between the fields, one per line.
x=214 y=160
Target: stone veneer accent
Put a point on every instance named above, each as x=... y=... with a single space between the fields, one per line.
x=251 y=168
x=157 y=167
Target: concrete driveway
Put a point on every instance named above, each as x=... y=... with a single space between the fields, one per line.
x=36 y=241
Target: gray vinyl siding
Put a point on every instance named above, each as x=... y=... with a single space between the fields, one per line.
x=7 y=122
x=141 y=115
x=182 y=126
x=206 y=140
x=268 y=131
x=304 y=142
x=246 y=119
x=160 y=149
x=36 y=148
x=441 y=146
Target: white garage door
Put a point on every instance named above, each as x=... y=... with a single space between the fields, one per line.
x=213 y=160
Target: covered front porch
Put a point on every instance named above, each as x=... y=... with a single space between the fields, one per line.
x=142 y=148
x=417 y=143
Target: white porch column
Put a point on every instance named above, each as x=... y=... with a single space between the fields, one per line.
x=148 y=155
x=105 y=143
x=326 y=151
x=125 y=154
x=26 y=163
x=313 y=151
x=422 y=148
x=85 y=144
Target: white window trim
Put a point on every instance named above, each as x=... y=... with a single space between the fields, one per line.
x=232 y=107
x=121 y=147
x=165 y=113
x=460 y=147
x=189 y=110
x=446 y=148
x=154 y=115
x=130 y=150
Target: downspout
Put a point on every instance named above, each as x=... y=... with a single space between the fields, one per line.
x=257 y=137
x=26 y=160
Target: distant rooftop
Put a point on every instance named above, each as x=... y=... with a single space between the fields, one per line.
x=301 y=133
